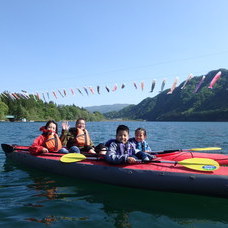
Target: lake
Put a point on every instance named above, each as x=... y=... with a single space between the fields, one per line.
x=31 y=198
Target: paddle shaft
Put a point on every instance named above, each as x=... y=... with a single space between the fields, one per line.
x=200 y=164
x=183 y=150
x=172 y=162
x=164 y=151
x=9 y=148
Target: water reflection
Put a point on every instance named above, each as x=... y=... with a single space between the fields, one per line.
x=117 y=205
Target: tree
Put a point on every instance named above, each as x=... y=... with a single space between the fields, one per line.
x=36 y=109
x=3 y=110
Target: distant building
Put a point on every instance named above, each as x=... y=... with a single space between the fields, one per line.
x=10 y=118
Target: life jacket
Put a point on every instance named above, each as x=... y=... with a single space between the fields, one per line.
x=82 y=137
x=53 y=143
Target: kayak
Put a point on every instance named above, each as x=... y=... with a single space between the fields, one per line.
x=154 y=176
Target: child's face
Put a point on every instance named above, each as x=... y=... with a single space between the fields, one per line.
x=140 y=136
x=51 y=127
x=80 y=124
x=122 y=136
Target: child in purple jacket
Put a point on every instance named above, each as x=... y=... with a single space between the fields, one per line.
x=123 y=151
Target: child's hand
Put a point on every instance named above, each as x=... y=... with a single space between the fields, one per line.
x=45 y=150
x=65 y=125
x=131 y=160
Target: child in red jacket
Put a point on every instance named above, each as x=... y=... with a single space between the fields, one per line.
x=48 y=141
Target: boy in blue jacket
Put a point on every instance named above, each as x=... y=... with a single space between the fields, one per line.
x=123 y=151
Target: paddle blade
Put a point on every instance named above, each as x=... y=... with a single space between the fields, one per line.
x=201 y=164
x=205 y=149
x=72 y=157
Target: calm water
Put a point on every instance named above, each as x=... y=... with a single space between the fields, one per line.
x=31 y=198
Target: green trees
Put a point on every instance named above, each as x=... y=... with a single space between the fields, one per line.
x=3 y=110
x=38 y=110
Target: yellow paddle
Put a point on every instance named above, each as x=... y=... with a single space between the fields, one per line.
x=200 y=164
x=72 y=157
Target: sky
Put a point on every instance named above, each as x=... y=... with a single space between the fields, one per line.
x=51 y=45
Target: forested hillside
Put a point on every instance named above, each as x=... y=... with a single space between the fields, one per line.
x=183 y=104
x=37 y=110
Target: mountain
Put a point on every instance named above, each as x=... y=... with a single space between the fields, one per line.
x=183 y=104
x=106 y=108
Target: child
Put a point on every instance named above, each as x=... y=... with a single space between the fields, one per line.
x=77 y=137
x=48 y=141
x=123 y=151
x=140 y=140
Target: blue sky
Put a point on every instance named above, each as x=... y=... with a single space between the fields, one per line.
x=47 y=45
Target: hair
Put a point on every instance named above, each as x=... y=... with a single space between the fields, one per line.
x=122 y=128
x=141 y=129
x=52 y=121
x=79 y=120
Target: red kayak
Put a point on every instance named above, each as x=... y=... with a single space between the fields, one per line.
x=153 y=176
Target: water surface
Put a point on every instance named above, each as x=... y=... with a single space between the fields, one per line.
x=31 y=198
